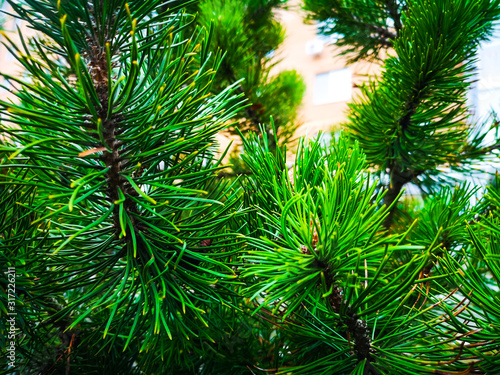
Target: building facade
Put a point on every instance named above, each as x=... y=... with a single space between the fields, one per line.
x=330 y=82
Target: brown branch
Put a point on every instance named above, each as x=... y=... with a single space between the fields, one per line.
x=97 y=62
x=457 y=357
x=399 y=179
x=69 y=354
x=392 y=7
x=386 y=36
x=361 y=337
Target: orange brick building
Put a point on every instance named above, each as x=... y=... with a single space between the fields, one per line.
x=330 y=82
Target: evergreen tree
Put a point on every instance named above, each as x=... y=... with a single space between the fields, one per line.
x=119 y=146
x=413 y=122
x=249 y=34
x=132 y=257
x=362 y=28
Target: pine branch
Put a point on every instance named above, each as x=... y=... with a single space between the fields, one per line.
x=362 y=26
x=412 y=120
x=122 y=153
x=384 y=36
x=395 y=14
x=398 y=180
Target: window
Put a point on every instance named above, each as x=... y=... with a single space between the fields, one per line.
x=334 y=86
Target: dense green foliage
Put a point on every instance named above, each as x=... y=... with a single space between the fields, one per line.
x=121 y=153
x=412 y=122
x=364 y=28
x=133 y=257
x=249 y=34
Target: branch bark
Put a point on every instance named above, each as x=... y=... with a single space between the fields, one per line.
x=395 y=14
x=399 y=179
